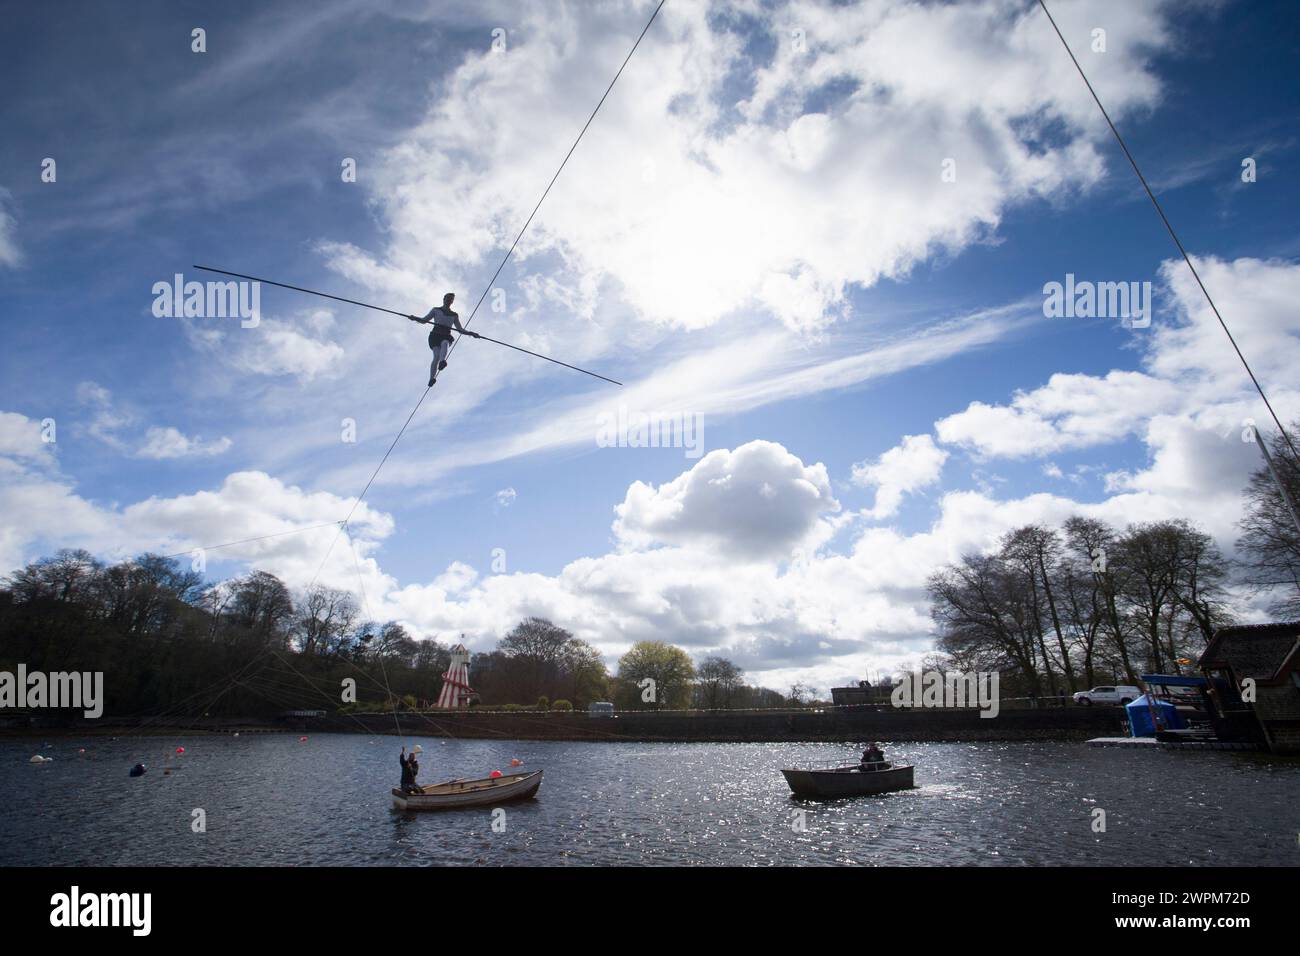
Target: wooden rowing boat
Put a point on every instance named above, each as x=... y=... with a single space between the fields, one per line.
x=453 y=794
x=848 y=781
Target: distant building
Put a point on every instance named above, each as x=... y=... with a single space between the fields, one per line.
x=1268 y=655
x=861 y=695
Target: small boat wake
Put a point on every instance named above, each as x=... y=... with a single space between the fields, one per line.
x=944 y=791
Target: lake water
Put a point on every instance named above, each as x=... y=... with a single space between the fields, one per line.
x=272 y=799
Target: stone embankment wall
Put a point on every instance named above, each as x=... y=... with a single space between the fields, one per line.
x=847 y=724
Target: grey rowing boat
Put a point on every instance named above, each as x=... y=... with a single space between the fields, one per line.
x=849 y=781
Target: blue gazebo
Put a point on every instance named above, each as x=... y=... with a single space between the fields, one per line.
x=1148 y=714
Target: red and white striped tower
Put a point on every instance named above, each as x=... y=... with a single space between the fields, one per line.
x=456 y=691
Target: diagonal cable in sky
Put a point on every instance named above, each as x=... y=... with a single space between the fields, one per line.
x=487 y=288
x=1172 y=234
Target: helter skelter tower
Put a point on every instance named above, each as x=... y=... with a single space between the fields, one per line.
x=456 y=691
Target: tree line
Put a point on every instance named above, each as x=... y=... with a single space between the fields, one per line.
x=1056 y=609
x=542 y=663
x=1052 y=609
x=172 y=646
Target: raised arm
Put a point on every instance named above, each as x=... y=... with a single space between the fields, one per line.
x=455 y=322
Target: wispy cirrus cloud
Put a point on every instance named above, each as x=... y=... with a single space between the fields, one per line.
x=108 y=423
x=10 y=253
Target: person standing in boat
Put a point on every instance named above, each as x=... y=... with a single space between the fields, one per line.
x=410 y=769
x=407 y=781
x=444 y=320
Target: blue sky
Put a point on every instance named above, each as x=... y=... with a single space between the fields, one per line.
x=754 y=230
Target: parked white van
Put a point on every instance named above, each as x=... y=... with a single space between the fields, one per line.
x=1116 y=694
x=600 y=708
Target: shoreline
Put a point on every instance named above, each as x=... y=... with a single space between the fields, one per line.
x=840 y=725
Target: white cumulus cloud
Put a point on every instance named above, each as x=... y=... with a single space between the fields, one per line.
x=910 y=466
x=758 y=501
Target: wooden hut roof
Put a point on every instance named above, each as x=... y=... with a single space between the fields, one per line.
x=1262 y=651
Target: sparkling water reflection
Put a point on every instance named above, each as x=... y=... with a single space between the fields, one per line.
x=271 y=799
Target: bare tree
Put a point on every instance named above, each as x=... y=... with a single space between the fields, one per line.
x=1173 y=588
x=1095 y=542
x=1200 y=592
x=1036 y=552
x=325 y=618
x=66 y=576
x=393 y=643
x=717 y=679
x=585 y=675
x=257 y=603
x=536 y=648
x=799 y=693
x=1270 y=541
x=984 y=618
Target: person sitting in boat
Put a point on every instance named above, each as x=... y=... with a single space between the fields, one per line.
x=410 y=769
x=443 y=320
x=873 y=758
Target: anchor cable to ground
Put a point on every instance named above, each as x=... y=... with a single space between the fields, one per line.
x=342 y=526
x=1169 y=226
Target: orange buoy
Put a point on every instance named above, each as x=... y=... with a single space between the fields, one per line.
x=516 y=762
